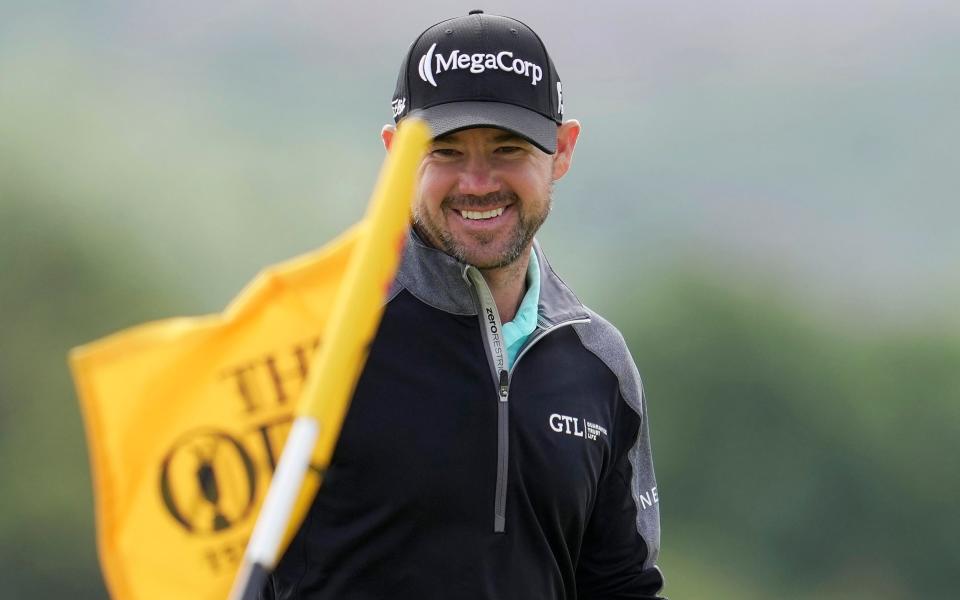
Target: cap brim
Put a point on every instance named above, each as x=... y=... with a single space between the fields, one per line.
x=455 y=116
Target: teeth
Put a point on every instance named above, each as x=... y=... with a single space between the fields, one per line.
x=472 y=214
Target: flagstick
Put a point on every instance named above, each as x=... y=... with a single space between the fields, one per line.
x=260 y=556
x=333 y=374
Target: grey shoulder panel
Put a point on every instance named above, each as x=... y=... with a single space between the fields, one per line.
x=600 y=337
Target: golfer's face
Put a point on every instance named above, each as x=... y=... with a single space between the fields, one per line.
x=483 y=194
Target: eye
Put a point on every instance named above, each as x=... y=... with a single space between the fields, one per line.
x=444 y=153
x=509 y=150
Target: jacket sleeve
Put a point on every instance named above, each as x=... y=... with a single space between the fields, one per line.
x=618 y=553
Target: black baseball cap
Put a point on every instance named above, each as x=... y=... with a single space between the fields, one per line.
x=481 y=70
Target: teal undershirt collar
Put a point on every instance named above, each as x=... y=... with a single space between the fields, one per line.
x=516 y=332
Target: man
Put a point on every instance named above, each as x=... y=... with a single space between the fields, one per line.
x=496 y=446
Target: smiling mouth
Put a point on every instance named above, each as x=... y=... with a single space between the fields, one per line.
x=475 y=215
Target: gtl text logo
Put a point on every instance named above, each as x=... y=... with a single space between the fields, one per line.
x=573 y=426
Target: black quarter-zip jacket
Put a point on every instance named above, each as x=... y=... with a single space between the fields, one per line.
x=455 y=477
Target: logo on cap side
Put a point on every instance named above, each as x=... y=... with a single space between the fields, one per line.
x=476 y=63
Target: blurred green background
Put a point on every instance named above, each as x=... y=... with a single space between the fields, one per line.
x=763 y=200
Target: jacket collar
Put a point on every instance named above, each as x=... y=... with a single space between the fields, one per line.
x=439 y=280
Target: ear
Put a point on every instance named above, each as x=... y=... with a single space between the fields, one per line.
x=386 y=134
x=567 y=134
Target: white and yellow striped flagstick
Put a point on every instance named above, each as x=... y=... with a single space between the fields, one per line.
x=333 y=375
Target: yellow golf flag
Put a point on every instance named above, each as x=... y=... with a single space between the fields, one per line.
x=186 y=418
x=185 y=422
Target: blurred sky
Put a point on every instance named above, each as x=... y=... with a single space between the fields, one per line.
x=811 y=141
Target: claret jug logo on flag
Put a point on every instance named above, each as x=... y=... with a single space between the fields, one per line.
x=210 y=477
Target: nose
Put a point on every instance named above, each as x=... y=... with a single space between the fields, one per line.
x=478 y=177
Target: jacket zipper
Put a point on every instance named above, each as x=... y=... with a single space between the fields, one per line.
x=496 y=356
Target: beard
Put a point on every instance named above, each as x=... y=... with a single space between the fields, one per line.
x=515 y=243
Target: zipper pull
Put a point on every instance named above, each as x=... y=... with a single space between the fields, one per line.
x=504 y=385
